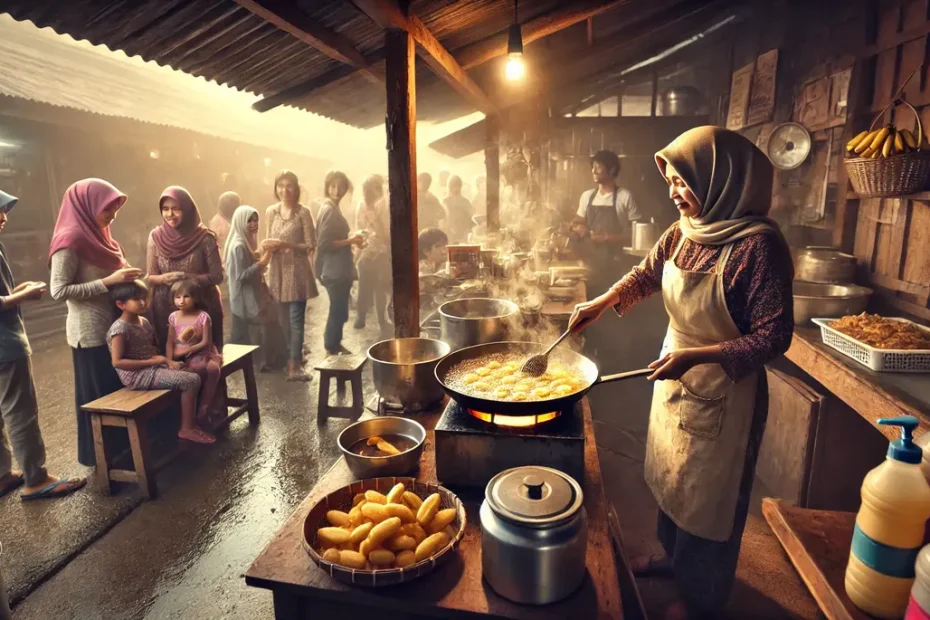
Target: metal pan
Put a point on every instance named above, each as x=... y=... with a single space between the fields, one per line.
x=581 y=365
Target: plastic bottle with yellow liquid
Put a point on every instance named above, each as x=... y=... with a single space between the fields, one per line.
x=889 y=528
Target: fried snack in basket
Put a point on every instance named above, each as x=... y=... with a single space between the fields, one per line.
x=882 y=333
x=391 y=534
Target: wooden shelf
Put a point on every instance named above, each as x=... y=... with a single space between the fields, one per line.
x=817 y=542
x=925 y=196
x=873 y=395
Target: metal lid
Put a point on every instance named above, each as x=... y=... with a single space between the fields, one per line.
x=534 y=496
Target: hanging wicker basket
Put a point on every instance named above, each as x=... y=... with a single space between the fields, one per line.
x=897 y=175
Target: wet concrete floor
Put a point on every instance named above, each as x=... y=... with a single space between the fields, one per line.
x=184 y=555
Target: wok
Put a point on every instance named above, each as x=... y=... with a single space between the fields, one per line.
x=581 y=366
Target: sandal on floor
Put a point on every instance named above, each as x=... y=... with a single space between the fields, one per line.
x=657 y=565
x=197 y=436
x=13 y=482
x=65 y=486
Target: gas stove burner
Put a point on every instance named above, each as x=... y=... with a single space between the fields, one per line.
x=472 y=447
x=514 y=421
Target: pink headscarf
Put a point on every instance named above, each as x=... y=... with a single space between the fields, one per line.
x=175 y=243
x=77 y=228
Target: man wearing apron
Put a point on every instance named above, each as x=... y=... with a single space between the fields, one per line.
x=725 y=274
x=607 y=213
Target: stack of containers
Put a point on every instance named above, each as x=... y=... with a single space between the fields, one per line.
x=889 y=528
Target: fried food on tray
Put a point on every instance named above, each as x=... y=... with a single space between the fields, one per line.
x=374 y=536
x=882 y=333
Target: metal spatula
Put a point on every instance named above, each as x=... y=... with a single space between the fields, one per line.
x=537 y=365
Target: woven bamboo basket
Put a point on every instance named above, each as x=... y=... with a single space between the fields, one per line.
x=898 y=175
x=342 y=500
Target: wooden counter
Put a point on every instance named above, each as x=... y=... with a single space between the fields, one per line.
x=454 y=590
x=873 y=395
x=817 y=542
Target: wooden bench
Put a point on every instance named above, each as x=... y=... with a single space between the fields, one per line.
x=132 y=409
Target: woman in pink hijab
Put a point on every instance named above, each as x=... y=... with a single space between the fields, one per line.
x=85 y=262
x=183 y=248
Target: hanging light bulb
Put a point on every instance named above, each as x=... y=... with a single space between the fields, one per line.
x=515 y=69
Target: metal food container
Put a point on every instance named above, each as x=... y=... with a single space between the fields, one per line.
x=825 y=264
x=382 y=466
x=467 y=322
x=403 y=370
x=821 y=300
x=533 y=535
x=644 y=235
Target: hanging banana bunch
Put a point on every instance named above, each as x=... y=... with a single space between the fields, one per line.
x=884 y=142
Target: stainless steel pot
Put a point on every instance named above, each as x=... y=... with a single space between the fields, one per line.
x=403 y=370
x=824 y=264
x=382 y=466
x=467 y=322
x=533 y=535
x=819 y=300
x=644 y=235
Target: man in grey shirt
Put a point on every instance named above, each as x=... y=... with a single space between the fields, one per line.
x=19 y=422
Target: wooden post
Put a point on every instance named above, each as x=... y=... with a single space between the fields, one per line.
x=492 y=163
x=400 y=123
x=655 y=93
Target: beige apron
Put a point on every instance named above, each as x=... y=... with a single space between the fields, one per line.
x=699 y=426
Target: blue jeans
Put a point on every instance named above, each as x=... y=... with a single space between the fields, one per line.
x=338 y=314
x=292 y=319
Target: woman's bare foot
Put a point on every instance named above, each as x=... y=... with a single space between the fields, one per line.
x=196 y=435
x=655 y=565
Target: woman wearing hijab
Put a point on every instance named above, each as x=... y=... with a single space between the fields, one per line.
x=725 y=274
x=248 y=295
x=292 y=240
x=219 y=223
x=85 y=262
x=183 y=248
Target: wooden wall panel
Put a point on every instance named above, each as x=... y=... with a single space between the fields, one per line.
x=916 y=267
x=914 y=12
x=884 y=78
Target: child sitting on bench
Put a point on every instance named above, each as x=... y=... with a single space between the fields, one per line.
x=137 y=361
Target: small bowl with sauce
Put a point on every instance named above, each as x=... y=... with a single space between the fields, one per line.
x=382 y=446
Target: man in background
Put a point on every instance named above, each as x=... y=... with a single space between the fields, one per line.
x=605 y=217
x=459 y=212
x=429 y=210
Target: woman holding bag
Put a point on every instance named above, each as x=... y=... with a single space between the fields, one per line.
x=725 y=275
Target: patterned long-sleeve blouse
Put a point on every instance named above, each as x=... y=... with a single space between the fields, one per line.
x=757 y=288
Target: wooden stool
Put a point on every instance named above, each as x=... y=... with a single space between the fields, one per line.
x=238 y=357
x=343 y=368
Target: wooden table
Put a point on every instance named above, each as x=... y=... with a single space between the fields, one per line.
x=873 y=395
x=817 y=542
x=456 y=589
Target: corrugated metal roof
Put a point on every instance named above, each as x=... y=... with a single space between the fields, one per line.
x=219 y=40
x=38 y=65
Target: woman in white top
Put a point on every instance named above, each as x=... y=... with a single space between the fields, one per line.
x=85 y=262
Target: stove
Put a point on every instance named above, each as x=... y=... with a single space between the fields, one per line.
x=472 y=447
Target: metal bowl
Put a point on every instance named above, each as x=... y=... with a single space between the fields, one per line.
x=403 y=371
x=820 y=300
x=824 y=264
x=382 y=466
x=467 y=322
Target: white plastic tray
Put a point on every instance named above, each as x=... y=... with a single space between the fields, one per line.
x=880 y=360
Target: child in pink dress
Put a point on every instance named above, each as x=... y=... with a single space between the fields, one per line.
x=190 y=340
x=137 y=361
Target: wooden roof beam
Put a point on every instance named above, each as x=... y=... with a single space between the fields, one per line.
x=469 y=56
x=287 y=17
x=389 y=14
x=565 y=16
